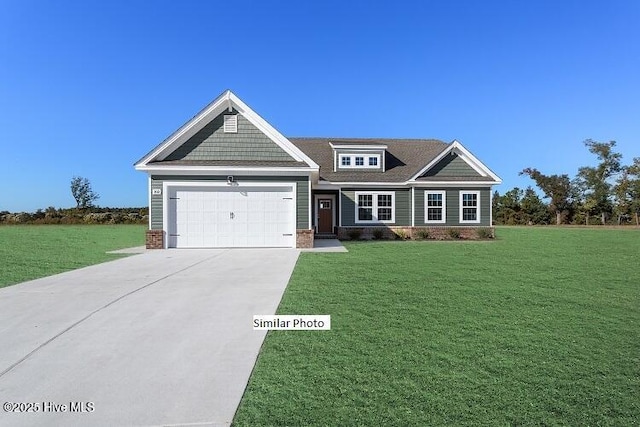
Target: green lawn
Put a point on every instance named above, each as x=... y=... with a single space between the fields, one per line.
x=32 y=251
x=541 y=327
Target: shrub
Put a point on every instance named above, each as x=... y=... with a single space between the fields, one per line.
x=354 y=233
x=484 y=233
x=423 y=233
x=378 y=233
x=401 y=234
x=454 y=233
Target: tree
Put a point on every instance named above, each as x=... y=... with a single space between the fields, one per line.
x=507 y=207
x=533 y=208
x=83 y=193
x=595 y=182
x=557 y=188
x=585 y=205
x=627 y=191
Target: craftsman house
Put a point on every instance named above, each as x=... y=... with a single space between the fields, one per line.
x=227 y=178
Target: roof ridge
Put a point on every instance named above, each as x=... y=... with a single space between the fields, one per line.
x=324 y=138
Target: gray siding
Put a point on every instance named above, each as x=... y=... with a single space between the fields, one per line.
x=156 y=208
x=453 y=206
x=302 y=194
x=402 y=201
x=451 y=166
x=211 y=143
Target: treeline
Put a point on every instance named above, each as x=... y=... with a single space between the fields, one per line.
x=607 y=193
x=91 y=215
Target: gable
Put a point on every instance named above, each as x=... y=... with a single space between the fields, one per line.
x=202 y=143
x=451 y=166
x=456 y=163
x=212 y=143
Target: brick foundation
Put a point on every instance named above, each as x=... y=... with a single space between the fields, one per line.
x=304 y=239
x=415 y=233
x=155 y=239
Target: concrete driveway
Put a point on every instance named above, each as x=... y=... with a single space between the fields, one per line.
x=161 y=338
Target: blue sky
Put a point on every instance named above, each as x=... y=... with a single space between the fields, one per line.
x=87 y=88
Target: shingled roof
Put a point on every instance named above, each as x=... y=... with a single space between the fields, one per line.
x=404 y=157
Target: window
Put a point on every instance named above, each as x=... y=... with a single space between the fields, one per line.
x=359 y=161
x=365 y=207
x=470 y=206
x=375 y=207
x=384 y=207
x=435 y=207
x=230 y=123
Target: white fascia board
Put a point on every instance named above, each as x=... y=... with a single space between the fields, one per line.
x=436 y=184
x=221 y=170
x=426 y=184
x=357 y=147
x=369 y=184
x=466 y=155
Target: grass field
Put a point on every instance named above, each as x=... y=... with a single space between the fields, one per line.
x=541 y=327
x=33 y=251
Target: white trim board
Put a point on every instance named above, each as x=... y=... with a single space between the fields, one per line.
x=478 y=207
x=374 y=207
x=226 y=170
x=443 y=193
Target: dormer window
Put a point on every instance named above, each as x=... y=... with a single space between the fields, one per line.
x=359 y=161
x=349 y=156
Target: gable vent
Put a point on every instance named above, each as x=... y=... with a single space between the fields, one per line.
x=230 y=123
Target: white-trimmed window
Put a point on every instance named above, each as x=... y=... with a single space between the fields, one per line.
x=469 y=207
x=435 y=207
x=375 y=207
x=230 y=123
x=359 y=161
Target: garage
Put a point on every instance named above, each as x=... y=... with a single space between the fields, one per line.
x=231 y=216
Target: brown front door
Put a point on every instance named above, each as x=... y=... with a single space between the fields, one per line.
x=325 y=216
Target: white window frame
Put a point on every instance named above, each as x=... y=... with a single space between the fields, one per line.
x=230 y=124
x=477 y=220
x=376 y=158
x=365 y=157
x=374 y=208
x=443 y=193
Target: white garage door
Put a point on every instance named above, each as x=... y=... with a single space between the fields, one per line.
x=224 y=217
